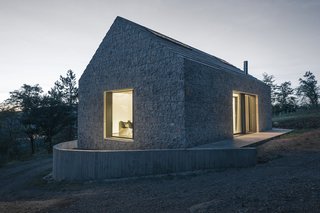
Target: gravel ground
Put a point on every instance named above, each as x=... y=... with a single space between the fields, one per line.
x=286 y=179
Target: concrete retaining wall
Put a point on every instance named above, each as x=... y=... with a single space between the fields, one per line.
x=70 y=163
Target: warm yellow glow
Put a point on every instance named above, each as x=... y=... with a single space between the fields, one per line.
x=104 y=115
x=250 y=106
x=236 y=113
x=257 y=114
x=122 y=116
x=245 y=112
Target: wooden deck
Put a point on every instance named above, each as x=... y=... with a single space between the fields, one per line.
x=247 y=140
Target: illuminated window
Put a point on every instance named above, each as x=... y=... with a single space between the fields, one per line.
x=245 y=113
x=236 y=114
x=119 y=114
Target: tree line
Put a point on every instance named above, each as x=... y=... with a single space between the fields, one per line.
x=285 y=99
x=31 y=116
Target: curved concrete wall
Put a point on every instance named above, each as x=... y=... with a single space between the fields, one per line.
x=70 y=163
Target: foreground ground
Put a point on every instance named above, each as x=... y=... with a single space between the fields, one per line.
x=286 y=179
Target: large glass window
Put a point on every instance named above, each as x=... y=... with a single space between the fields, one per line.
x=236 y=114
x=119 y=114
x=244 y=113
x=250 y=103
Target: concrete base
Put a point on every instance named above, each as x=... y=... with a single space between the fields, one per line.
x=70 y=163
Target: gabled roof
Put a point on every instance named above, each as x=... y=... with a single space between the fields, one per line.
x=187 y=51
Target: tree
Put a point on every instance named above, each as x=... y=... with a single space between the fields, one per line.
x=27 y=100
x=65 y=90
x=47 y=115
x=308 y=89
x=10 y=131
x=286 y=102
x=53 y=117
x=58 y=111
x=269 y=80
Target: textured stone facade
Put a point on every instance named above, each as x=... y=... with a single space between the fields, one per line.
x=172 y=96
x=208 y=102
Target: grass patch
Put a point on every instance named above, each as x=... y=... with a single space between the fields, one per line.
x=295 y=133
x=298 y=120
x=297 y=142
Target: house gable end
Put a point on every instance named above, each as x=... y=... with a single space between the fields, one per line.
x=129 y=57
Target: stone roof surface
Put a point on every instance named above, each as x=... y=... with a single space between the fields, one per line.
x=187 y=51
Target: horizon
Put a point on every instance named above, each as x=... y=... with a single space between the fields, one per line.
x=41 y=40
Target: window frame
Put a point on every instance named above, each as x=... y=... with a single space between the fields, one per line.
x=108 y=114
x=243 y=112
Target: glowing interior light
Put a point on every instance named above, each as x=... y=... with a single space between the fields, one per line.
x=122 y=116
x=236 y=113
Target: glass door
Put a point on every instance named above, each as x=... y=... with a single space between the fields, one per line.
x=236 y=114
x=244 y=113
x=251 y=117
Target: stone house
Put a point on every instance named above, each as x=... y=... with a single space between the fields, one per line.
x=144 y=90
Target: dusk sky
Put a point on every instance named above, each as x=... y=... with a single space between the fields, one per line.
x=42 y=39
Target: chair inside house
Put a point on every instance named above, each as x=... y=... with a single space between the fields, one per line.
x=125 y=129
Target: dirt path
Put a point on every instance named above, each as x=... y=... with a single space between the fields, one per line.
x=287 y=179
x=16 y=176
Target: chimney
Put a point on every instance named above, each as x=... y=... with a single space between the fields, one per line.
x=245 y=67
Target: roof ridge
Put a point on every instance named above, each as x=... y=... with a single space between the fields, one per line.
x=181 y=44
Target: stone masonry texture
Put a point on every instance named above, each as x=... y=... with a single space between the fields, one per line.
x=208 y=102
x=181 y=97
